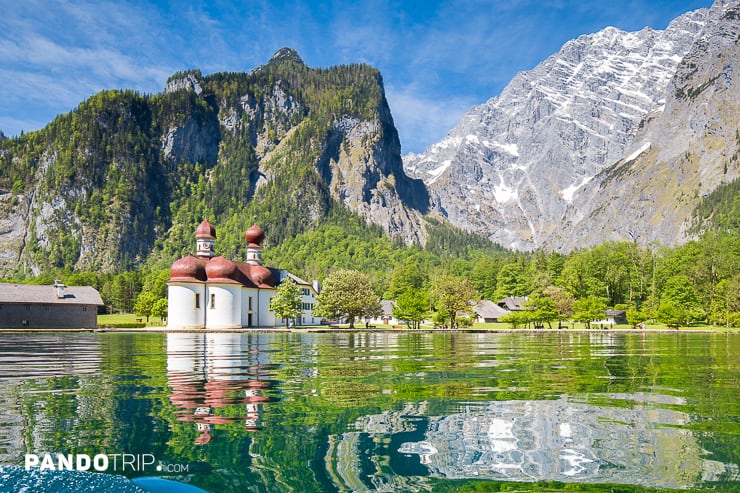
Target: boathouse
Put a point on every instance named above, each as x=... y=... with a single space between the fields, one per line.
x=48 y=307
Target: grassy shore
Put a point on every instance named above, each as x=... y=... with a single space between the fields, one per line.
x=122 y=319
x=119 y=319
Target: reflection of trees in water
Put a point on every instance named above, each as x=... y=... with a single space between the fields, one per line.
x=558 y=440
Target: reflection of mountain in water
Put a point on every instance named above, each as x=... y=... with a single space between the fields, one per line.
x=208 y=373
x=556 y=440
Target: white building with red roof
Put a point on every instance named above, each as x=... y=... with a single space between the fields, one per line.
x=206 y=291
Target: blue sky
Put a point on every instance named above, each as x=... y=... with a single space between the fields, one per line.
x=438 y=58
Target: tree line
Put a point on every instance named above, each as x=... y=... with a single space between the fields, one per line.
x=695 y=282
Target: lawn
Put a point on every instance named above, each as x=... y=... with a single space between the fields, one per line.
x=119 y=319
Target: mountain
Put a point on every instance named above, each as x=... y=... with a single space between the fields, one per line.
x=682 y=153
x=126 y=176
x=567 y=155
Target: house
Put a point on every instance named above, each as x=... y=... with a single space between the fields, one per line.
x=386 y=318
x=488 y=311
x=309 y=292
x=612 y=318
x=616 y=317
x=513 y=304
x=212 y=292
x=49 y=307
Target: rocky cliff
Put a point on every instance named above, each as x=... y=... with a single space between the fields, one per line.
x=527 y=168
x=125 y=176
x=681 y=153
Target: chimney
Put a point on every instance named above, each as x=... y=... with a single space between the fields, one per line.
x=59 y=285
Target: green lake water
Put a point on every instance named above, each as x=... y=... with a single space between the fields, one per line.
x=383 y=411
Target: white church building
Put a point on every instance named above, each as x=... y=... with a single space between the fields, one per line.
x=210 y=292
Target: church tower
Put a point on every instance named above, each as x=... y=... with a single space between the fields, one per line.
x=205 y=234
x=255 y=236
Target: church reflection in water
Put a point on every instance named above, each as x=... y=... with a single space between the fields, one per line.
x=217 y=379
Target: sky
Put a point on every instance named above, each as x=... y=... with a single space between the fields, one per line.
x=437 y=58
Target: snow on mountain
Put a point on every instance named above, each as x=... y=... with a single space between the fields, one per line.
x=513 y=166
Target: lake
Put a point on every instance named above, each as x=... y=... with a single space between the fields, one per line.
x=338 y=412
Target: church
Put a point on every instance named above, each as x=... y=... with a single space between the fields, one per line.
x=212 y=292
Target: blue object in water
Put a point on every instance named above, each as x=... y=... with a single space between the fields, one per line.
x=159 y=485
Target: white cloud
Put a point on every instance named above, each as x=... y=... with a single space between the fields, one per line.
x=422 y=119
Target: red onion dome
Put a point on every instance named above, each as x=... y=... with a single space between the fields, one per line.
x=205 y=230
x=261 y=275
x=222 y=269
x=255 y=235
x=188 y=269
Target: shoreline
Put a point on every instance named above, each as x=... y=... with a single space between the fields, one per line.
x=344 y=330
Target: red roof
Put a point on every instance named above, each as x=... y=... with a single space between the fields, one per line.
x=205 y=230
x=188 y=269
x=255 y=235
x=220 y=269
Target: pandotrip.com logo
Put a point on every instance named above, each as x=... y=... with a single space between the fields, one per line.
x=111 y=463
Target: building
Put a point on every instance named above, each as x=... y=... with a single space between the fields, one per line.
x=513 y=303
x=386 y=318
x=49 y=307
x=211 y=292
x=486 y=311
x=612 y=318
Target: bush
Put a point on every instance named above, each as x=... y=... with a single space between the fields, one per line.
x=124 y=325
x=733 y=319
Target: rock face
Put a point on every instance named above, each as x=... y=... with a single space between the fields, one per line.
x=363 y=167
x=525 y=168
x=285 y=143
x=681 y=154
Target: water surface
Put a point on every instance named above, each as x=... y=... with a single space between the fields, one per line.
x=384 y=412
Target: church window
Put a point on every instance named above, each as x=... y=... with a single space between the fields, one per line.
x=197 y=301
x=213 y=301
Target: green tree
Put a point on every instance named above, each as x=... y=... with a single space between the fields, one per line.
x=635 y=316
x=679 y=293
x=412 y=307
x=589 y=309
x=286 y=303
x=563 y=301
x=144 y=304
x=543 y=309
x=517 y=319
x=405 y=277
x=672 y=314
x=347 y=292
x=725 y=304
x=483 y=277
x=452 y=295
x=511 y=282
x=160 y=309
x=156 y=282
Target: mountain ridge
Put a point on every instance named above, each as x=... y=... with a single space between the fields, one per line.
x=512 y=168
x=125 y=176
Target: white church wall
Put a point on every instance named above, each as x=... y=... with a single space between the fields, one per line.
x=186 y=306
x=250 y=310
x=223 y=306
